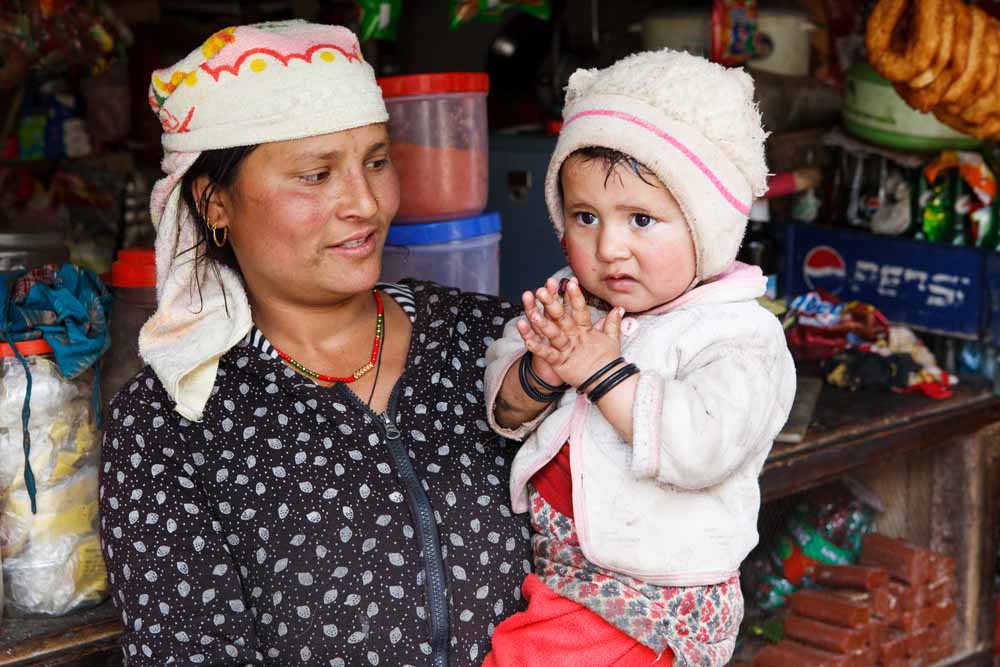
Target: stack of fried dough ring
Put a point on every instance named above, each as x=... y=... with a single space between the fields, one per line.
x=942 y=56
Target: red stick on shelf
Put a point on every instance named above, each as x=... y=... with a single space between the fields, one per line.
x=853 y=577
x=825 y=636
x=830 y=607
x=942 y=591
x=909 y=598
x=902 y=560
x=789 y=653
x=893 y=647
x=912 y=622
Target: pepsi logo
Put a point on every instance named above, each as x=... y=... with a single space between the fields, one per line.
x=825 y=269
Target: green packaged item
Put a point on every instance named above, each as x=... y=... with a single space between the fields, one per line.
x=31 y=137
x=379 y=19
x=464 y=11
x=826 y=528
x=985 y=223
x=773 y=592
x=936 y=204
x=771 y=629
x=957 y=185
x=964 y=207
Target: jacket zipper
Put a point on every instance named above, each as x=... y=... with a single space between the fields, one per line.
x=420 y=506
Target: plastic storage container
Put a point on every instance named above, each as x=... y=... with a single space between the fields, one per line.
x=29 y=251
x=133 y=278
x=437 y=123
x=52 y=561
x=459 y=253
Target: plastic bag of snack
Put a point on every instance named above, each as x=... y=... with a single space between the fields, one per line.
x=894 y=214
x=464 y=11
x=827 y=527
x=52 y=559
x=878 y=192
x=379 y=19
x=985 y=226
x=734 y=31
x=936 y=208
x=954 y=188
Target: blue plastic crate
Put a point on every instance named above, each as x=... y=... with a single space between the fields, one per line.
x=927 y=286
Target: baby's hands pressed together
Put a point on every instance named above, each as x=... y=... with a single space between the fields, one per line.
x=565 y=344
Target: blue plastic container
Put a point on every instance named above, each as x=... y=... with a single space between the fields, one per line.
x=463 y=253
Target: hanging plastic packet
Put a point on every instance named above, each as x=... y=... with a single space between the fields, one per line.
x=379 y=19
x=826 y=528
x=936 y=208
x=894 y=213
x=965 y=205
x=464 y=11
x=878 y=193
x=985 y=224
x=962 y=182
x=734 y=31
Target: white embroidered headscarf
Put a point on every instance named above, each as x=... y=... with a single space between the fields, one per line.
x=244 y=86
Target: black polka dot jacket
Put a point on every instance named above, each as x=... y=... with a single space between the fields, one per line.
x=293 y=526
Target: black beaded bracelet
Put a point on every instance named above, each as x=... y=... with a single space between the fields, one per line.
x=539 y=381
x=533 y=394
x=612 y=381
x=593 y=378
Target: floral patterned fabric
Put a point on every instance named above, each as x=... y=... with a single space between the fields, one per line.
x=699 y=624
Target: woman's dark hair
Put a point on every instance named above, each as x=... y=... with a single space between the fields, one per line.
x=221 y=167
x=611 y=159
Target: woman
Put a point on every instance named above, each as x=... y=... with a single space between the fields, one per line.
x=263 y=502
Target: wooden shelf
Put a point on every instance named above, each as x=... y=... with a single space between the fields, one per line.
x=848 y=431
x=26 y=641
x=852 y=430
x=983 y=658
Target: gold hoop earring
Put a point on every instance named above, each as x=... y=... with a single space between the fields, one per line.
x=215 y=235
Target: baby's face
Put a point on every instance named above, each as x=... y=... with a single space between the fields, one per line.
x=627 y=240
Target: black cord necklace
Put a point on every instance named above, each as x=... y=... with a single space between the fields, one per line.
x=378 y=367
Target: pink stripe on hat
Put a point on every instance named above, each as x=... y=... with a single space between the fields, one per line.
x=743 y=209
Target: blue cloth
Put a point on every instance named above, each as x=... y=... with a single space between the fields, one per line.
x=69 y=307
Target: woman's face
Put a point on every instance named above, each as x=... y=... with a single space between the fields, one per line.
x=308 y=218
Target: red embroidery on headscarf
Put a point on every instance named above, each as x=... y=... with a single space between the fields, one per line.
x=234 y=69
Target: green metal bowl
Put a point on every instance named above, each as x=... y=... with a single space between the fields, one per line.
x=875 y=112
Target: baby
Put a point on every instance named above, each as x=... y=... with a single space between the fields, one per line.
x=648 y=381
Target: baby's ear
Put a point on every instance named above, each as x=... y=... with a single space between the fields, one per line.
x=578 y=83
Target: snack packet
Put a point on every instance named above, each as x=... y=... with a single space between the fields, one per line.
x=825 y=528
x=379 y=19
x=734 y=31
x=464 y=11
x=985 y=225
x=960 y=185
x=936 y=208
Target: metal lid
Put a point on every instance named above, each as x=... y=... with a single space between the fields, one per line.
x=18 y=241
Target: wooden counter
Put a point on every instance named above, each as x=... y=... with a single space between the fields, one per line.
x=54 y=641
x=852 y=430
x=848 y=431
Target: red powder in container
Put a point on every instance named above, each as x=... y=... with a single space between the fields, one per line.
x=439 y=183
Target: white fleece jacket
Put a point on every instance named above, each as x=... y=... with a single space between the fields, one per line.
x=678 y=506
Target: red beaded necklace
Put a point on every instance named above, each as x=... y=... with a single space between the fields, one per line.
x=376 y=348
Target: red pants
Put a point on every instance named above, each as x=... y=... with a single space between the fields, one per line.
x=556 y=632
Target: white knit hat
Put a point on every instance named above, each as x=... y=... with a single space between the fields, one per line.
x=245 y=85
x=692 y=122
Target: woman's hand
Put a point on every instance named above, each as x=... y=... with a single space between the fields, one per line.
x=563 y=339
